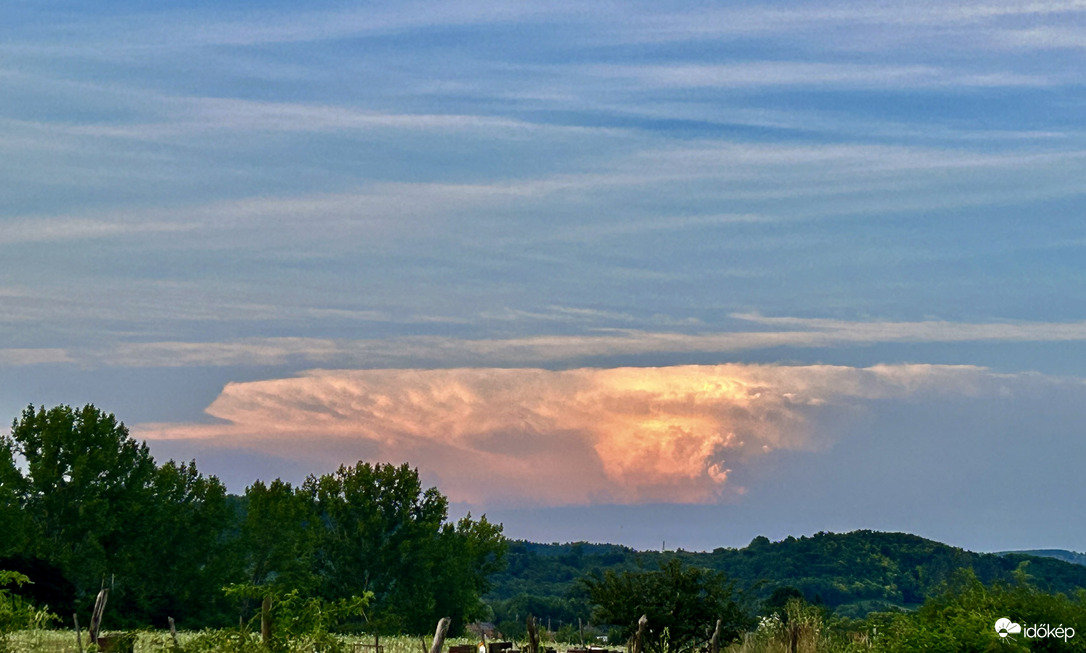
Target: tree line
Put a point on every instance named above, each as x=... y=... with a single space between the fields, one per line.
x=85 y=507
x=849 y=574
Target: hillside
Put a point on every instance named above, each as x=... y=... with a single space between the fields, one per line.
x=1059 y=554
x=851 y=573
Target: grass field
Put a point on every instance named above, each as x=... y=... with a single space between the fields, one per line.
x=63 y=641
x=809 y=637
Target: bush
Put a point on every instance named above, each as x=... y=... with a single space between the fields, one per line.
x=298 y=623
x=682 y=604
x=963 y=617
x=15 y=612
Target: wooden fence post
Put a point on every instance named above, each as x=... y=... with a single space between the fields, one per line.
x=533 y=635
x=78 y=634
x=639 y=638
x=173 y=631
x=96 y=616
x=439 y=635
x=714 y=643
x=265 y=621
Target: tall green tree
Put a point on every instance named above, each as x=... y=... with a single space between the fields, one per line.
x=98 y=507
x=471 y=552
x=682 y=605
x=382 y=532
x=86 y=486
x=186 y=549
x=379 y=527
x=16 y=521
x=278 y=537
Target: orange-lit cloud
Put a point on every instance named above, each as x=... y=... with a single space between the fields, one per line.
x=624 y=435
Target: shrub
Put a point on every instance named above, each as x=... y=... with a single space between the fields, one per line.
x=16 y=613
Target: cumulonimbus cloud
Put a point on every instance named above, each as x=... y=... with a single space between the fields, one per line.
x=621 y=435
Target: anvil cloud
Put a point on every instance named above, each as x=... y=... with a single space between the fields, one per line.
x=624 y=435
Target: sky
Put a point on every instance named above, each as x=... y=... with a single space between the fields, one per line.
x=664 y=274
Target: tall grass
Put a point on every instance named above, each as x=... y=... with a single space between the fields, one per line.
x=801 y=629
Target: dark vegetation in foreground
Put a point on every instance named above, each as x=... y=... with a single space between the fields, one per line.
x=368 y=549
x=84 y=506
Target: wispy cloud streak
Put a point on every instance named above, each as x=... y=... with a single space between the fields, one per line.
x=445 y=351
x=812 y=74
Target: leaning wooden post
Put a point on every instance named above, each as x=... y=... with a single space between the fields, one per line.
x=78 y=634
x=533 y=635
x=265 y=621
x=714 y=643
x=173 y=631
x=439 y=635
x=639 y=638
x=96 y=616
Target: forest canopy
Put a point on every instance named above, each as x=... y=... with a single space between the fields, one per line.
x=87 y=506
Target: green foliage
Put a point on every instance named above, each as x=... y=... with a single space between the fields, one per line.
x=300 y=623
x=509 y=615
x=852 y=574
x=16 y=520
x=278 y=536
x=48 y=585
x=544 y=580
x=224 y=641
x=78 y=494
x=470 y=552
x=963 y=615
x=15 y=613
x=97 y=506
x=372 y=528
x=119 y=642
x=779 y=600
x=381 y=532
x=802 y=628
x=86 y=485
x=682 y=605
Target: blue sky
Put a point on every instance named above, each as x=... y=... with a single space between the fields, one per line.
x=845 y=237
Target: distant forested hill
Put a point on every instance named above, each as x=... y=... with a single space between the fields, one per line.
x=1059 y=554
x=851 y=573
